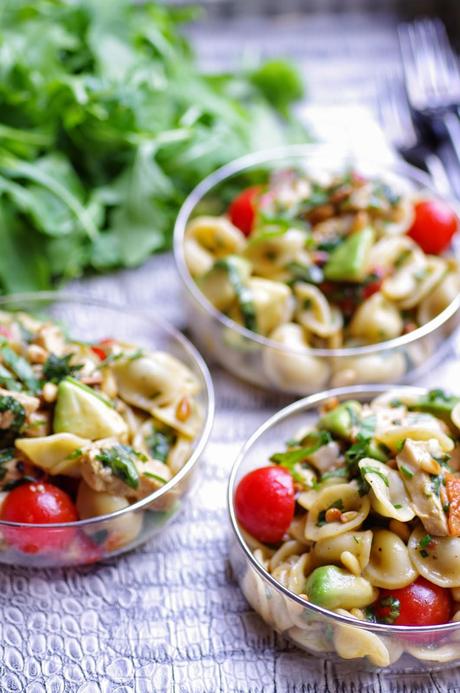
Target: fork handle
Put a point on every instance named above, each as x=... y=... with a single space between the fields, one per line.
x=438 y=173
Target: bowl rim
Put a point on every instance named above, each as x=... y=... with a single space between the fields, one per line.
x=308 y=403
x=56 y=297
x=248 y=161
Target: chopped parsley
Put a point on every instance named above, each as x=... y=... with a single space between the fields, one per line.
x=150 y=475
x=377 y=472
x=121 y=459
x=159 y=443
x=311 y=443
x=408 y=473
x=393 y=605
x=56 y=368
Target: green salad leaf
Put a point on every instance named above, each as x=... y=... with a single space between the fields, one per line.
x=106 y=125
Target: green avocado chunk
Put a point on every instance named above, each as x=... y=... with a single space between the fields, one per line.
x=348 y=262
x=335 y=588
x=83 y=412
x=436 y=402
x=340 y=421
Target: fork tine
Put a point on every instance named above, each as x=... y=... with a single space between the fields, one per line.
x=394 y=112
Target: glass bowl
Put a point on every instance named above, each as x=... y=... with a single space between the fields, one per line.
x=98 y=538
x=264 y=362
x=321 y=632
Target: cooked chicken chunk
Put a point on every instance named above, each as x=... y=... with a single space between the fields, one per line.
x=109 y=467
x=29 y=403
x=414 y=460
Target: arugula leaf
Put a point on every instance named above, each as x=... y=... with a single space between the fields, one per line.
x=160 y=443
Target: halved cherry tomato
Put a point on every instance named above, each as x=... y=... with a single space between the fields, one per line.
x=38 y=503
x=242 y=210
x=83 y=550
x=6 y=332
x=375 y=285
x=421 y=603
x=100 y=348
x=264 y=503
x=434 y=226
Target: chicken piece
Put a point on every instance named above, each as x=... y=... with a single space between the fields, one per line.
x=453 y=495
x=327 y=457
x=13 y=468
x=51 y=338
x=29 y=403
x=427 y=502
x=109 y=467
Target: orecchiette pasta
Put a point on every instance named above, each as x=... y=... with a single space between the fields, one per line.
x=299 y=369
x=389 y=565
x=100 y=425
x=342 y=246
x=375 y=524
x=439 y=561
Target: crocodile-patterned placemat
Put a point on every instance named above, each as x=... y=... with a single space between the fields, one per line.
x=169 y=617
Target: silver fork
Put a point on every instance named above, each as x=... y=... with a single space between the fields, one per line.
x=430 y=65
x=396 y=119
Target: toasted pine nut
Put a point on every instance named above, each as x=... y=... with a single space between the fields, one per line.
x=36 y=354
x=348 y=516
x=333 y=515
x=350 y=561
x=183 y=409
x=401 y=529
x=50 y=392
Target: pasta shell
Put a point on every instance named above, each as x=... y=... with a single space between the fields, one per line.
x=273 y=303
x=376 y=320
x=390 y=565
x=314 y=312
x=54 y=453
x=294 y=372
x=350 y=500
x=330 y=550
x=270 y=256
x=416 y=426
x=427 y=280
x=217 y=235
x=351 y=642
x=442 y=564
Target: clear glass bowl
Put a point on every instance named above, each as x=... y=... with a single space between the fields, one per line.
x=101 y=537
x=264 y=362
x=321 y=632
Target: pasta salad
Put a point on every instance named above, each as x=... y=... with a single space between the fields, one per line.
x=360 y=515
x=328 y=262
x=86 y=430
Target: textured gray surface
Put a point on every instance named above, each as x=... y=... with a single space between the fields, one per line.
x=169 y=617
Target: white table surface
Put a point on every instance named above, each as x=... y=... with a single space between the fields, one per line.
x=169 y=617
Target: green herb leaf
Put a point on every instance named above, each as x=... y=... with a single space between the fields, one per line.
x=121 y=460
x=21 y=368
x=56 y=368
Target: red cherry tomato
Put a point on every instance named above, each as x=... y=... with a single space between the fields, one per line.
x=264 y=503
x=5 y=332
x=420 y=604
x=38 y=503
x=83 y=550
x=100 y=350
x=242 y=210
x=372 y=287
x=100 y=353
x=434 y=226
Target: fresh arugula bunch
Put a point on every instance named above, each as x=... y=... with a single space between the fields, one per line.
x=106 y=124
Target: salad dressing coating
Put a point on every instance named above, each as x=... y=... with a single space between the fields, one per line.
x=108 y=420
x=377 y=498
